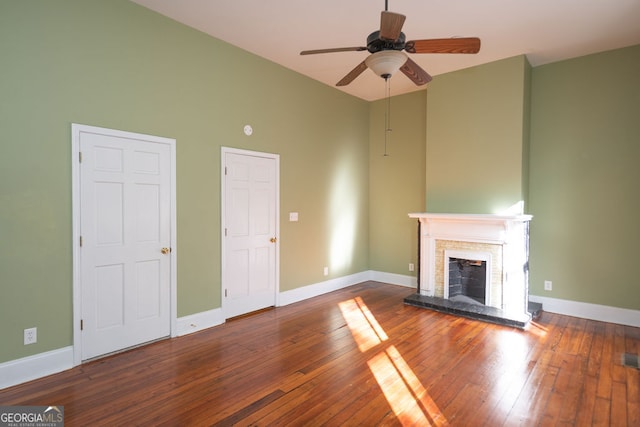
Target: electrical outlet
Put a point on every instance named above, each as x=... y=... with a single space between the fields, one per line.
x=411 y=266
x=30 y=336
x=548 y=286
x=326 y=271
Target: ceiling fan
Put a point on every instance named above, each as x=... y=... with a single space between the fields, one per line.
x=386 y=45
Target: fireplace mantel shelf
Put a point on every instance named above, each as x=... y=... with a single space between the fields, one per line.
x=470 y=217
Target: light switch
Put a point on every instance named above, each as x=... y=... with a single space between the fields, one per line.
x=293 y=216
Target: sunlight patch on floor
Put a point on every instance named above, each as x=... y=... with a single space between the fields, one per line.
x=406 y=395
x=404 y=391
x=363 y=325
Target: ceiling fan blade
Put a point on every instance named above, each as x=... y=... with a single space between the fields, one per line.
x=352 y=74
x=415 y=73
x=391 y=25
x=452 y=45
x=336 y=49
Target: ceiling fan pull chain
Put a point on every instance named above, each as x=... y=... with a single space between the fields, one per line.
x=387 y=114
x=389 y=104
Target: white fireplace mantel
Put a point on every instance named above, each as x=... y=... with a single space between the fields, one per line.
x=504 y=235
x=482 y=228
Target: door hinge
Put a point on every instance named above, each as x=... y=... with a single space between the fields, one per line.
x=225 y=170
x=225 y=293
x=81 y=325
x=80 y=156
x=80 y=241
x=225 y=232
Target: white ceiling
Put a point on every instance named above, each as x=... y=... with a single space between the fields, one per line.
x=545 y=30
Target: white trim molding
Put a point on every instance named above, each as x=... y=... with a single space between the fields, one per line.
x=394 y=279
x=316 y=289
x=601 y=313
x=200 y=321
x=37 y=366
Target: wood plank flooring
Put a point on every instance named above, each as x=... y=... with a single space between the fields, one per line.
x=358 y=356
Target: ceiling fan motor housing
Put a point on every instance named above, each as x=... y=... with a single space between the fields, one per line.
x=376 y=44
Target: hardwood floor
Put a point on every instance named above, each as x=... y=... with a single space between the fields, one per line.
x=358 y=356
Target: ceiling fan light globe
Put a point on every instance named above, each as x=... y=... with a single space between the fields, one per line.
x=386 y=62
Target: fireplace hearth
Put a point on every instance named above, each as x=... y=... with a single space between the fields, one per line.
x=475 y=311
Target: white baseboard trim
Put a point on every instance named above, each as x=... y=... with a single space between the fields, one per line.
x=395 y=279
x=199 y=321
x=602 y=313
x=313 y=290
x=37 y=366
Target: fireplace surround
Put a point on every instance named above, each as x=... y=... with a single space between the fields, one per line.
x=500 y=241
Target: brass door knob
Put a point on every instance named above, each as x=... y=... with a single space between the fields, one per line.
x=273 y=240
x=165 y=250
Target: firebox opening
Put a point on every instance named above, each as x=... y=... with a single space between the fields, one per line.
x=467 y=280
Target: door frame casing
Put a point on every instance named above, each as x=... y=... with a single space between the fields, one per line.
x=76 y=130
x=276 y=158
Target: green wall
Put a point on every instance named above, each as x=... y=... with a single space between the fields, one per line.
x=584 y=178
x=476 y=138
x=396 y=181
x=115 y=64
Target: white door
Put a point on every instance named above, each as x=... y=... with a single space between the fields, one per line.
x=250 y=233
x=125 y=235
